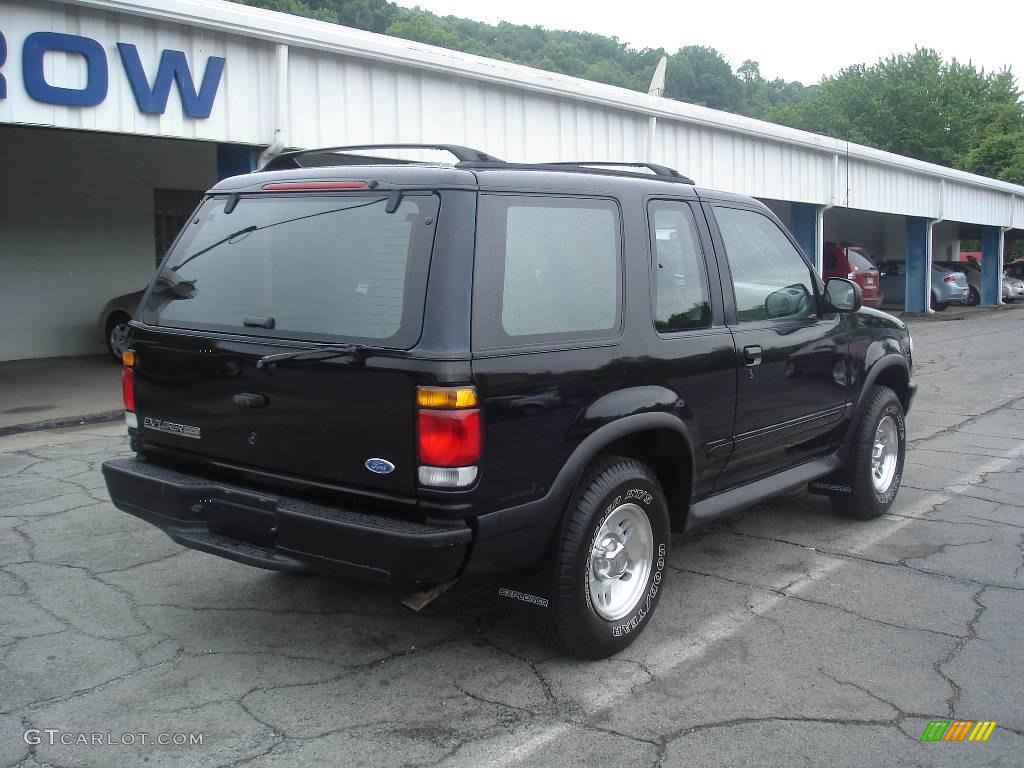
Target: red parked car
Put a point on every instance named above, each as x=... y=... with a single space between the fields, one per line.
x=851 y=262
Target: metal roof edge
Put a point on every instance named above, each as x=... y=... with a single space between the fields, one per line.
x=302 y=32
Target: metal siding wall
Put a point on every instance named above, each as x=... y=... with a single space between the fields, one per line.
x=351 y=87
x=243 y=109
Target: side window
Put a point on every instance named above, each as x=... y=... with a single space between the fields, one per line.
x=770 y=278
x=681 y=300
x=547 y=268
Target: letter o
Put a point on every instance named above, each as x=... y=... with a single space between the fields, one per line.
x=39 y=43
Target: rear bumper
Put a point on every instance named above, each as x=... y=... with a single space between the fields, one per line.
x=872 y=300
x=286 y=534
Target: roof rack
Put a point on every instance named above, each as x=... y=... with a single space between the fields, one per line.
x=658 y=170
x=290 y=159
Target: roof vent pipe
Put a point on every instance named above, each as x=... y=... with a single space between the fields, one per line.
x=280 y=109
x=657 y=89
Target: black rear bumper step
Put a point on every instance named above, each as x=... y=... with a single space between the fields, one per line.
x=283 y=533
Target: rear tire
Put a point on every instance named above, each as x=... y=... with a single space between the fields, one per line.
x=875 y=466
x=610 y=562
x=937 y=305
x=973 y=299
x=117 y=334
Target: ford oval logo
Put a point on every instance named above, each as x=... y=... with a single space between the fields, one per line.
x=380 y=466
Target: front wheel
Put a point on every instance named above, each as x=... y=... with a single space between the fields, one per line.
x=610 y=562
x=876 y=458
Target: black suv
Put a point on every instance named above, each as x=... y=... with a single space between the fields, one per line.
x=411 y=372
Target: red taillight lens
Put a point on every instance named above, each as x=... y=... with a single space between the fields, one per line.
x=128 y=388
x=449 y=438
x=949 y=278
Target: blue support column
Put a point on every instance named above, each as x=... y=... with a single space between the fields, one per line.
x=991 y=258
x=804 y=225
x=918 y=264
x=236 y=159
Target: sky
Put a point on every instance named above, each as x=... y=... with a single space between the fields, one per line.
x=796 y=40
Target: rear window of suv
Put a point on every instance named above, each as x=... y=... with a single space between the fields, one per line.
x=321 y=266
x=859 y=259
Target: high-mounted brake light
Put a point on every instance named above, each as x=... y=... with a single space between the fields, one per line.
x=306 y=186
x=449 y=436
x=128 y=387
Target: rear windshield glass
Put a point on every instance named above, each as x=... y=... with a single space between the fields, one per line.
x=858 y=259
x=300 y=266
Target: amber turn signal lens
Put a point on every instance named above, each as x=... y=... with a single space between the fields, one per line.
x=446 y=397
x=128 y=357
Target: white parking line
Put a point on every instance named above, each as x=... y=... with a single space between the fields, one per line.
x=675 y=652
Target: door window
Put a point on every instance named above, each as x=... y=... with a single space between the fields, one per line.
x=770 y=278
x=681 y=300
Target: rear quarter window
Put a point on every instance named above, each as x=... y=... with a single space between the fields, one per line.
x=547 y=269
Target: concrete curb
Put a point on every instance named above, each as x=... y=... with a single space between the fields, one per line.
x=961 y=313
x=67 y=421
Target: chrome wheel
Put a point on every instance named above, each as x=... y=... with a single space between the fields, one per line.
x=118 y=339
x=620 y=562
x=885 y=454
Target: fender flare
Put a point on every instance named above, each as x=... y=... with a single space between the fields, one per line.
x=884 y=363
x=592 y=445
x=503 y=537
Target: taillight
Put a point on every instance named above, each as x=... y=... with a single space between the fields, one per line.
x=449 y=436
x=949 y=279
x=128 y=388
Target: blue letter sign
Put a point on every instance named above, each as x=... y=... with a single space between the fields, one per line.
x=173 y=67
x=39 y=43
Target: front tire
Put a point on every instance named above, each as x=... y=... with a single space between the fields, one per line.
x=876 y=458
x=610 y=563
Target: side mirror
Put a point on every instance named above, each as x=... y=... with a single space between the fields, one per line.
x=842 y=295
x=787 y=302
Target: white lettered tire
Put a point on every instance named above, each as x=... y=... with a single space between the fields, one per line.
x=610 y=561
x=875 y=467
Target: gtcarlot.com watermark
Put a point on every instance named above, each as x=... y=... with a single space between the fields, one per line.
x=55 y=736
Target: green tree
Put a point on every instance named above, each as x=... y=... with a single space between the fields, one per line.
x=700 y=75
x=917 y=105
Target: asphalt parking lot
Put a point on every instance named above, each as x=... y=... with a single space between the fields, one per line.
x=787 y=636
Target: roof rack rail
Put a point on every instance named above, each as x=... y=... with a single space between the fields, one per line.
x=658 y=170
x=287 y=160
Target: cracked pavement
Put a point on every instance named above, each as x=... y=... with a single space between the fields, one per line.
x=787 y=636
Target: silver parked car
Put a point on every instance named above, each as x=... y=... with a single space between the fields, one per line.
x=972 y=269
x=113 y=321
x=948 y=286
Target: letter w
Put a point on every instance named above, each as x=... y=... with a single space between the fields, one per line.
x=173 y=67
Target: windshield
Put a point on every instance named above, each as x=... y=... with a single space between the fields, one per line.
x=304 y=267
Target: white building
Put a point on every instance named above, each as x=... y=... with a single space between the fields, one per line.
x=115 y=115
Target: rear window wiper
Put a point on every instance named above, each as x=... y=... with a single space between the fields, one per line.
x=355 y=351
x=233 y=235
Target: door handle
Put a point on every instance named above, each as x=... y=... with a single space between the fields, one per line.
x=250 y=400
x=752 y=355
